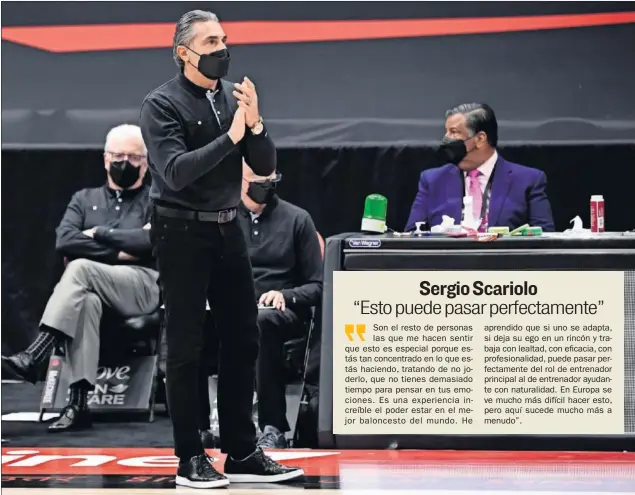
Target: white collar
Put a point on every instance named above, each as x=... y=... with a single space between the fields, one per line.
x=488 y=166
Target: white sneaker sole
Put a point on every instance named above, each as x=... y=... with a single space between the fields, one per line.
x=253 y=478
x=201 y=484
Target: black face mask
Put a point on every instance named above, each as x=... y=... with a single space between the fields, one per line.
x=261 y=192
x=124 y=174
x=452 y=150
x=213 y=65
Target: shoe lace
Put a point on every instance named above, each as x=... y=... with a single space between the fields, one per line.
x=267 y=461
x=267 y=440
x=205 y=466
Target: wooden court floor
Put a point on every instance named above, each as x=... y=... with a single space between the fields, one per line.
x=91 y=471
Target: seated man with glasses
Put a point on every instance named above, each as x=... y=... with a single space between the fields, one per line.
x=286 y=260
x=105 y=236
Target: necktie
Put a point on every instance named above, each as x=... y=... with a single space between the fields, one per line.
x=475 y=192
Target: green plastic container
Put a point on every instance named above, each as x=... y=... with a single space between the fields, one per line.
x=532 y=231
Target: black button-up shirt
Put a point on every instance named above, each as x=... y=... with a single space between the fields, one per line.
x=193 y=162
x=118 y=218
x=285 y=252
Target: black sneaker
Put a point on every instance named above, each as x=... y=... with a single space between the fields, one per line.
x=258 y=468
x=198 y=472
x=272 y=438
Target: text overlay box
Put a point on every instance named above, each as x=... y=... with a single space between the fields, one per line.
x=492 y=352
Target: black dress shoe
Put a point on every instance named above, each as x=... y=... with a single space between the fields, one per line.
x=72 y=418
x=198 y=472
x=258 y=468
x=209 y=440
x=20 y=366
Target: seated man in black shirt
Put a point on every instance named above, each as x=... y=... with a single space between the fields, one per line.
x=287 y=265
x=105 y=236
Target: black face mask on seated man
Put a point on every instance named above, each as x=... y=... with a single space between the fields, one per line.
x=452 y=150
x=261 y=192
x=124 y=174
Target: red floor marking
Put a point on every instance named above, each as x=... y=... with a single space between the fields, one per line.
x=94 y=37
x=87 y=461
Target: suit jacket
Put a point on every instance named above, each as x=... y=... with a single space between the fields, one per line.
x=518 y=196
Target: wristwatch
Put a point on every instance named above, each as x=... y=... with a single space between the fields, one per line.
x=258 y=128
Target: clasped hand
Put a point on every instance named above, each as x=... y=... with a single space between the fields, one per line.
x=247 y=113
x=245 y=92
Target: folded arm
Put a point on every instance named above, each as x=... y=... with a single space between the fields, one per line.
x=132 y=241
x=73 y=243
x=164 y=137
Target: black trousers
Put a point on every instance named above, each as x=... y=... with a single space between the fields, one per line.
x=209 y=367
x=276 y=328
x=201 y=261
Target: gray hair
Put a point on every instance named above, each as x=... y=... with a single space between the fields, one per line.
x=124 y=131
x=184 y=32
x=479 y=117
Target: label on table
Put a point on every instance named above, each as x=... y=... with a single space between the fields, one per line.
x=492 y=352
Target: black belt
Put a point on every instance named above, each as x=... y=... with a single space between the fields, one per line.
x=222 y=216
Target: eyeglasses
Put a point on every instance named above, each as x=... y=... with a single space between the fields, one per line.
x=119 y=157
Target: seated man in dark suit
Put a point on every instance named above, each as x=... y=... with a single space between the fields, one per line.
x=504 y=194
x=105 y=236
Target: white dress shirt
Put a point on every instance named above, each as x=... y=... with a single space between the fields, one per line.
x=485 y=173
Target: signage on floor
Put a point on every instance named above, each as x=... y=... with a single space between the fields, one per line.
x=125 y=387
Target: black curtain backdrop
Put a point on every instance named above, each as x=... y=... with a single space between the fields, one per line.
x=331 y=183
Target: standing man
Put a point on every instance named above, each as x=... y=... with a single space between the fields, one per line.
x=198 y=127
